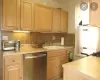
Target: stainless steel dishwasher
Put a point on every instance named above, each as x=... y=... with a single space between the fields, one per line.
x=35 y=66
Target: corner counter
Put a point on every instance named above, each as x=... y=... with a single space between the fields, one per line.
x=87 y=68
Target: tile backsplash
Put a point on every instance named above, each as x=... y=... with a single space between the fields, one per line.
x=31 y=38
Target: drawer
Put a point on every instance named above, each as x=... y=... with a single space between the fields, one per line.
x=56 y=53
x=8 y=60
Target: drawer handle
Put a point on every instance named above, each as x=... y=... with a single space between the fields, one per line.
x=13 y=60
x=20 y=77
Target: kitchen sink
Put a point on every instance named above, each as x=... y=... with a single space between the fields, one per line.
x=53 y=47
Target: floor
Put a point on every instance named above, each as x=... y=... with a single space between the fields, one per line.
x=60 y=79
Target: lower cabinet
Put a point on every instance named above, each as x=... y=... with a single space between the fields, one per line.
x=54 y=64
x=52 y=68
x=62 y=60
x=13 y=68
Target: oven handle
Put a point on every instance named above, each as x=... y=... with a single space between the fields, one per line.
x=31 y=57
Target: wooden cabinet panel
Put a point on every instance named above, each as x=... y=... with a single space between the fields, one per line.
x=27 y=15
x=11 y=14
x=52 y=68
x=62 y=60
x=56 y=27
x=56 y=53
x=13 y=72
x=94 y=14
x=13 y=67
x=43 y=18
x=64 y=21
x=54 y=64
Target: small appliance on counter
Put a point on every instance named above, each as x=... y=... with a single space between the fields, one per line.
x=11 y=45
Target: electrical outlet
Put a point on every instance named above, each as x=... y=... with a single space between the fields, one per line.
x=4 y=37
x=53 y=37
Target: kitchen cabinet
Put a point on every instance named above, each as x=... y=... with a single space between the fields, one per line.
x=55 y=59
x=62 y=60
x=13 y=67
x=64 y=21
x=56 y=27
x=11 y=14
x=94 y=14
x=43 y=18
x=27 y=15
x=60 y=21
x=52 y=68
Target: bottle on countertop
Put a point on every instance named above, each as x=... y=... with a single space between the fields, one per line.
x=17 y=45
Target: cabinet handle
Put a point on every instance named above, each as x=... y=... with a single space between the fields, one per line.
x=20 y=77
x=13 y=60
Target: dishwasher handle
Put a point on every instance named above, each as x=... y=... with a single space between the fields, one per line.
x=31 y=57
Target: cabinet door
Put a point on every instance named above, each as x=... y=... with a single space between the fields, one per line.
x=64 y=21
x=56 y=20
x=95 y=14
x=27 y=12
x=11 y=14
x=43 y=18
x=62 y=60
x=52 y=68
x=13 y=72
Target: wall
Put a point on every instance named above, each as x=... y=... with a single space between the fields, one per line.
x=32 y=38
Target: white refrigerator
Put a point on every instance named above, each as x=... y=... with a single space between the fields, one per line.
x=88 y=39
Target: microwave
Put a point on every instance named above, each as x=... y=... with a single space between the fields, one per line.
x=10 y=45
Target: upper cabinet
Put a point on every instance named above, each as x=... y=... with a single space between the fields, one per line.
x=64 y=21
x=27 y=15
x=56 y=27
x=11 y=14
x=60 y=21
x=43 y=18
x=95 y=13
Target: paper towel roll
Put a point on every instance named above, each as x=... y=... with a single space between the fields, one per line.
x=62 y=41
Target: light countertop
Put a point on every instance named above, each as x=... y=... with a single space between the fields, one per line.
x=26 y=50
x=89 y=66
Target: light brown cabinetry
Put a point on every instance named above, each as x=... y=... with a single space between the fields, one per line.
x=60 y=21
x=52 y=68
x=62 y=60
x=55 y=59
x=56 y=27
x=27 y=15
x=64 y=21
x=11 y=14
x=13 y=67
x=43 y=18
x=94 y=14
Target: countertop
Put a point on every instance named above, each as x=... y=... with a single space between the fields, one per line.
x=89 y=66
x=26 y=50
